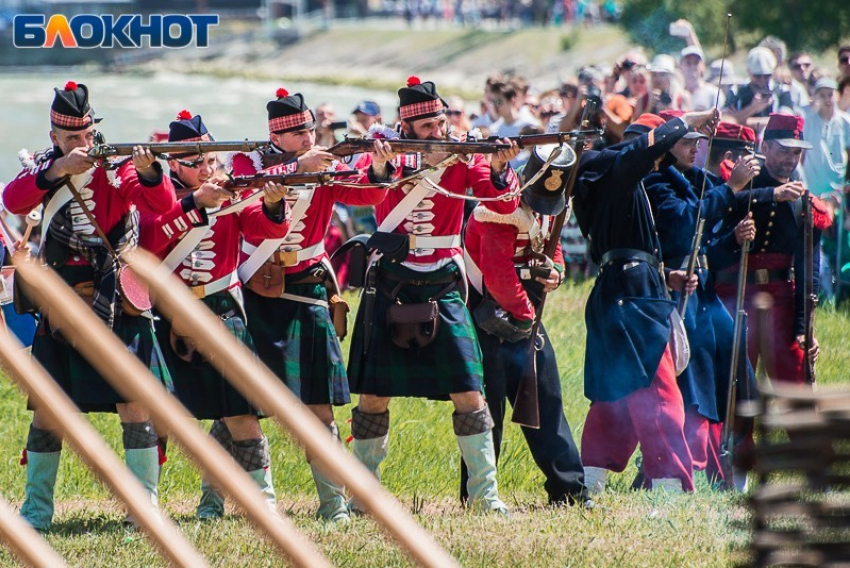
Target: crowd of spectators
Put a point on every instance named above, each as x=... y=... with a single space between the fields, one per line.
x=775 y=81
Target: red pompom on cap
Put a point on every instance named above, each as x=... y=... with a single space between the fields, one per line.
x=281 y=92
x=184 y=115
x=413 y=80
x=70 y=86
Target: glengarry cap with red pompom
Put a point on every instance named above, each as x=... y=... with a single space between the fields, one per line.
x=787 y=130
x=420 y=100
x=70 y=109
x=188 y=128
x=289 y=113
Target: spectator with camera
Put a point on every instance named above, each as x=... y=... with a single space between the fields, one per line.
x=754 y=102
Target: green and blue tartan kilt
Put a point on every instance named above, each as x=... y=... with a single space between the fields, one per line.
x=297 y=341
x=450 y=364
x=198 y=385
x=80 y=381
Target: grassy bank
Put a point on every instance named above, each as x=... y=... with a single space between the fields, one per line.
x=627 y=529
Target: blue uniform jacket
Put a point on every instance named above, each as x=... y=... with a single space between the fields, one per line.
x=675 y=201
x=779 y=230
x=628 y=310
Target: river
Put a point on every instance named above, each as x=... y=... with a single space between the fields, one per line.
x=133 y=106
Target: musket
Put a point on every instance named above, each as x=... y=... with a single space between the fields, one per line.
x=492 y=145
x=810 y=299
x=526 y=407
x=739 y=328
x=692 y=261
x=235 y=183
x=102 y=150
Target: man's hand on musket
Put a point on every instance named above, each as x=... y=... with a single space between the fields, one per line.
x=703 y=121
x=790 y=191
x=143 y=160
x=678 y=280
x=273 y=192
x=381 y=156
x=551 y=282
x=499 y=161
x=316 y=159
x=814 y=350
x=745 y=230
x=210 y=196
x=74 y=162
x=746 y=168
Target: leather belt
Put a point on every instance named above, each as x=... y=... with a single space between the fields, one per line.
x=203 y=290
x=316 y=274
x=755 y=276
x=682 y=262
x=630 y=254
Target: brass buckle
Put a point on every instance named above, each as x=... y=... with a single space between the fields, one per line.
x=411 y=242
x=761 y=276
x=198 y=291
x=288 y=257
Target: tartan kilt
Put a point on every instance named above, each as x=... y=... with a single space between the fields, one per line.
x=198 y=385
x=297 y=341
x=452 y=363
x=80 y=381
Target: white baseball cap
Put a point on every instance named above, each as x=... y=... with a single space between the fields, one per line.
x=693 y=50
x=761 y=61
x=663 y=63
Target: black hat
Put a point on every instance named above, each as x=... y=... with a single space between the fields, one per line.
x=289 y=113
x=546 y=194
x=420 y=100
x=188 y=128
x=70 y=109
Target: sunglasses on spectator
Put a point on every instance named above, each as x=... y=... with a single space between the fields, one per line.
x=454 y=112
x=844 y=60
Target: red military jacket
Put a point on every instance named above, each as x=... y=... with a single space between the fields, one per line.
x=437 y=215
x=109 y=195
x=217 y=254
x=498 y=243
x=311 y=228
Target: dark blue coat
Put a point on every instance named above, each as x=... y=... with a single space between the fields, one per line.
x=628 y=310
x=675 y=202
x=779 y=230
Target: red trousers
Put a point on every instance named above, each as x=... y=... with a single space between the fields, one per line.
x=697 y=430
x=653 y=417
x=780 y=354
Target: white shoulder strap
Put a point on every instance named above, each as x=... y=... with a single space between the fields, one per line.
x=186 y=245
x=248 y=268
x=406 y=206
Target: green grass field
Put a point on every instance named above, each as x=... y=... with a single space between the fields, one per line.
x=626 y=529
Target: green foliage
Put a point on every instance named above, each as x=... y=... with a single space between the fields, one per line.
x=648 y=22
x=802 y=25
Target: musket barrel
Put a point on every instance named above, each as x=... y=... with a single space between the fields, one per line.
x=161 y=148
